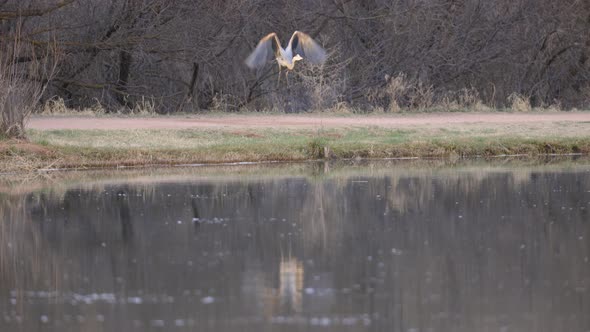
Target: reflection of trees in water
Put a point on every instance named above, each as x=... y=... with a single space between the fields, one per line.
x=421 y=251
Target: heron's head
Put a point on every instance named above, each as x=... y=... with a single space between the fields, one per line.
x=297 y=57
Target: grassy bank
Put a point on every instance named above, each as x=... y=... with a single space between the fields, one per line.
x=111 y=148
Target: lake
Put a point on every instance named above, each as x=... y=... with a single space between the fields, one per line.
x=407 y=245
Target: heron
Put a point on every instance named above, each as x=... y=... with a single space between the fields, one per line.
x=301 y=46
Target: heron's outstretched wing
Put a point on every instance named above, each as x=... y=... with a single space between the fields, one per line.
x=267 y=49
x=308 y=48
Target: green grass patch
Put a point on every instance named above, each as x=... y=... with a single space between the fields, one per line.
x=110 y=148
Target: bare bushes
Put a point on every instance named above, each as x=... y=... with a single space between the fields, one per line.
x=308 y=88
x=144 y=106
x=402 y=94
x=325 y=85
x=519 y=103
x=224 y=102
x=318 y=89
x=394 y=92
x=57 y=106
x=23 y=77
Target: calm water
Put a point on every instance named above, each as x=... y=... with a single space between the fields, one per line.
x=395 y=246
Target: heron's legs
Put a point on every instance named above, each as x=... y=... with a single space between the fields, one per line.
x=279 y=79
x=287 y=76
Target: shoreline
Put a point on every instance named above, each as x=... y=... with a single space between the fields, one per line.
x=232 y=141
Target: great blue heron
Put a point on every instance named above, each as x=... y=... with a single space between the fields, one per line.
x=301 y=46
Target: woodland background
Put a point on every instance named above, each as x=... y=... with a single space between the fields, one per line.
x=389 y=55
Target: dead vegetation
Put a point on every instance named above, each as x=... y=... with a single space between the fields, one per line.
x=157 y=56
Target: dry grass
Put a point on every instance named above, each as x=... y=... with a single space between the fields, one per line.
x=519 y=103
x=394 y=90
x=403 y=94
x=318 y=89
x=57 y=107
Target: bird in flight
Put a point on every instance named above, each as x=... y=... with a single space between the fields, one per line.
x=301 y=47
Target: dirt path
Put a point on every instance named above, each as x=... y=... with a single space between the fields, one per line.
x=305 y=121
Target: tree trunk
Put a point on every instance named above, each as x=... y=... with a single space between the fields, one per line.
x=121 y=94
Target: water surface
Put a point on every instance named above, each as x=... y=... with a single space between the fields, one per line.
x=392 y=246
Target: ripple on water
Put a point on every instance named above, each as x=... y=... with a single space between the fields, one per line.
x=207 y=300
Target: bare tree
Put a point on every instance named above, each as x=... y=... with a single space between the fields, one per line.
x=24 y=74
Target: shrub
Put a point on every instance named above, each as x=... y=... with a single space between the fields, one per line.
x=519 y=103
